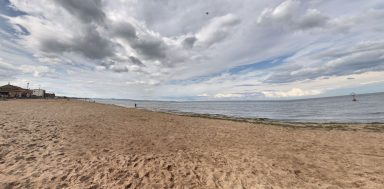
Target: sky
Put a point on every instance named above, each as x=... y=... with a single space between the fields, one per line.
x=193 y=49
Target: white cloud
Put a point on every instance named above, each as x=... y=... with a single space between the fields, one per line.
x=289 y=14
x=217 y=29
x=6 y=66
x=294 y=92
x=285 y=10
x=37 y=71
x=227 y=95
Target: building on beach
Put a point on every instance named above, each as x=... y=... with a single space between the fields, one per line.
x=11 y=91
x=38 y=93
x=50 y=95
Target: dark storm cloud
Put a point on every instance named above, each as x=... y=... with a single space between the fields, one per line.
x=84 y=10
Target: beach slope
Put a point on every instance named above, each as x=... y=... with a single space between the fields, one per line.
x=74 y=144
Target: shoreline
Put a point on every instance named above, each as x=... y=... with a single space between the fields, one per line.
x=369 y=126
x=249 y=118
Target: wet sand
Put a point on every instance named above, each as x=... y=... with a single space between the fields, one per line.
x=74 y=144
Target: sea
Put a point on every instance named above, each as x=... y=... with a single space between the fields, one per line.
x=368 y=108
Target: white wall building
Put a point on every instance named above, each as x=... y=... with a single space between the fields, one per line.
x=38 y=92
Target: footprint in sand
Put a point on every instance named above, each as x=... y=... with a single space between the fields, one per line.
x=32 y=158
x=17 y=158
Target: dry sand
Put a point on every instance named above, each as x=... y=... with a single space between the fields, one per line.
x=73 y=144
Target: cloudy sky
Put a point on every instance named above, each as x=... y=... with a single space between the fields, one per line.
x=193 y=49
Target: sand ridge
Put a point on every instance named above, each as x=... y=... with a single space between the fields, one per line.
x=73 y=144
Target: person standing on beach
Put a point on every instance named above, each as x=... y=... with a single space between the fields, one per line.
x=135 y=105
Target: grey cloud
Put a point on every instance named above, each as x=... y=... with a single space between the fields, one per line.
x=4 y=74
x=7 y=71
x=119 y=68
x=136 y=61
x=357 y=63
x=289 y=15
x=312 y=19
x=53 y=45
x=90 y=44
x=217 y=30
x=150 y=47
x=189 y=42
x=351 y=61
x=6 y=66
x=173 y=18
x=359 y=48
x=93 y=45
x=124 y=30
x=107 y=63
x=84 y=10
x=131 y=60
x=22 y=30
x=120 y=65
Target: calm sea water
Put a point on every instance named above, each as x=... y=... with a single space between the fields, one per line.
x=368 y=108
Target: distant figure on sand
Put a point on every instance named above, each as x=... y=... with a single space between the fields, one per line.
x=135 y=105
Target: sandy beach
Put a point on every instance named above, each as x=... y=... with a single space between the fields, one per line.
x=74 y=144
